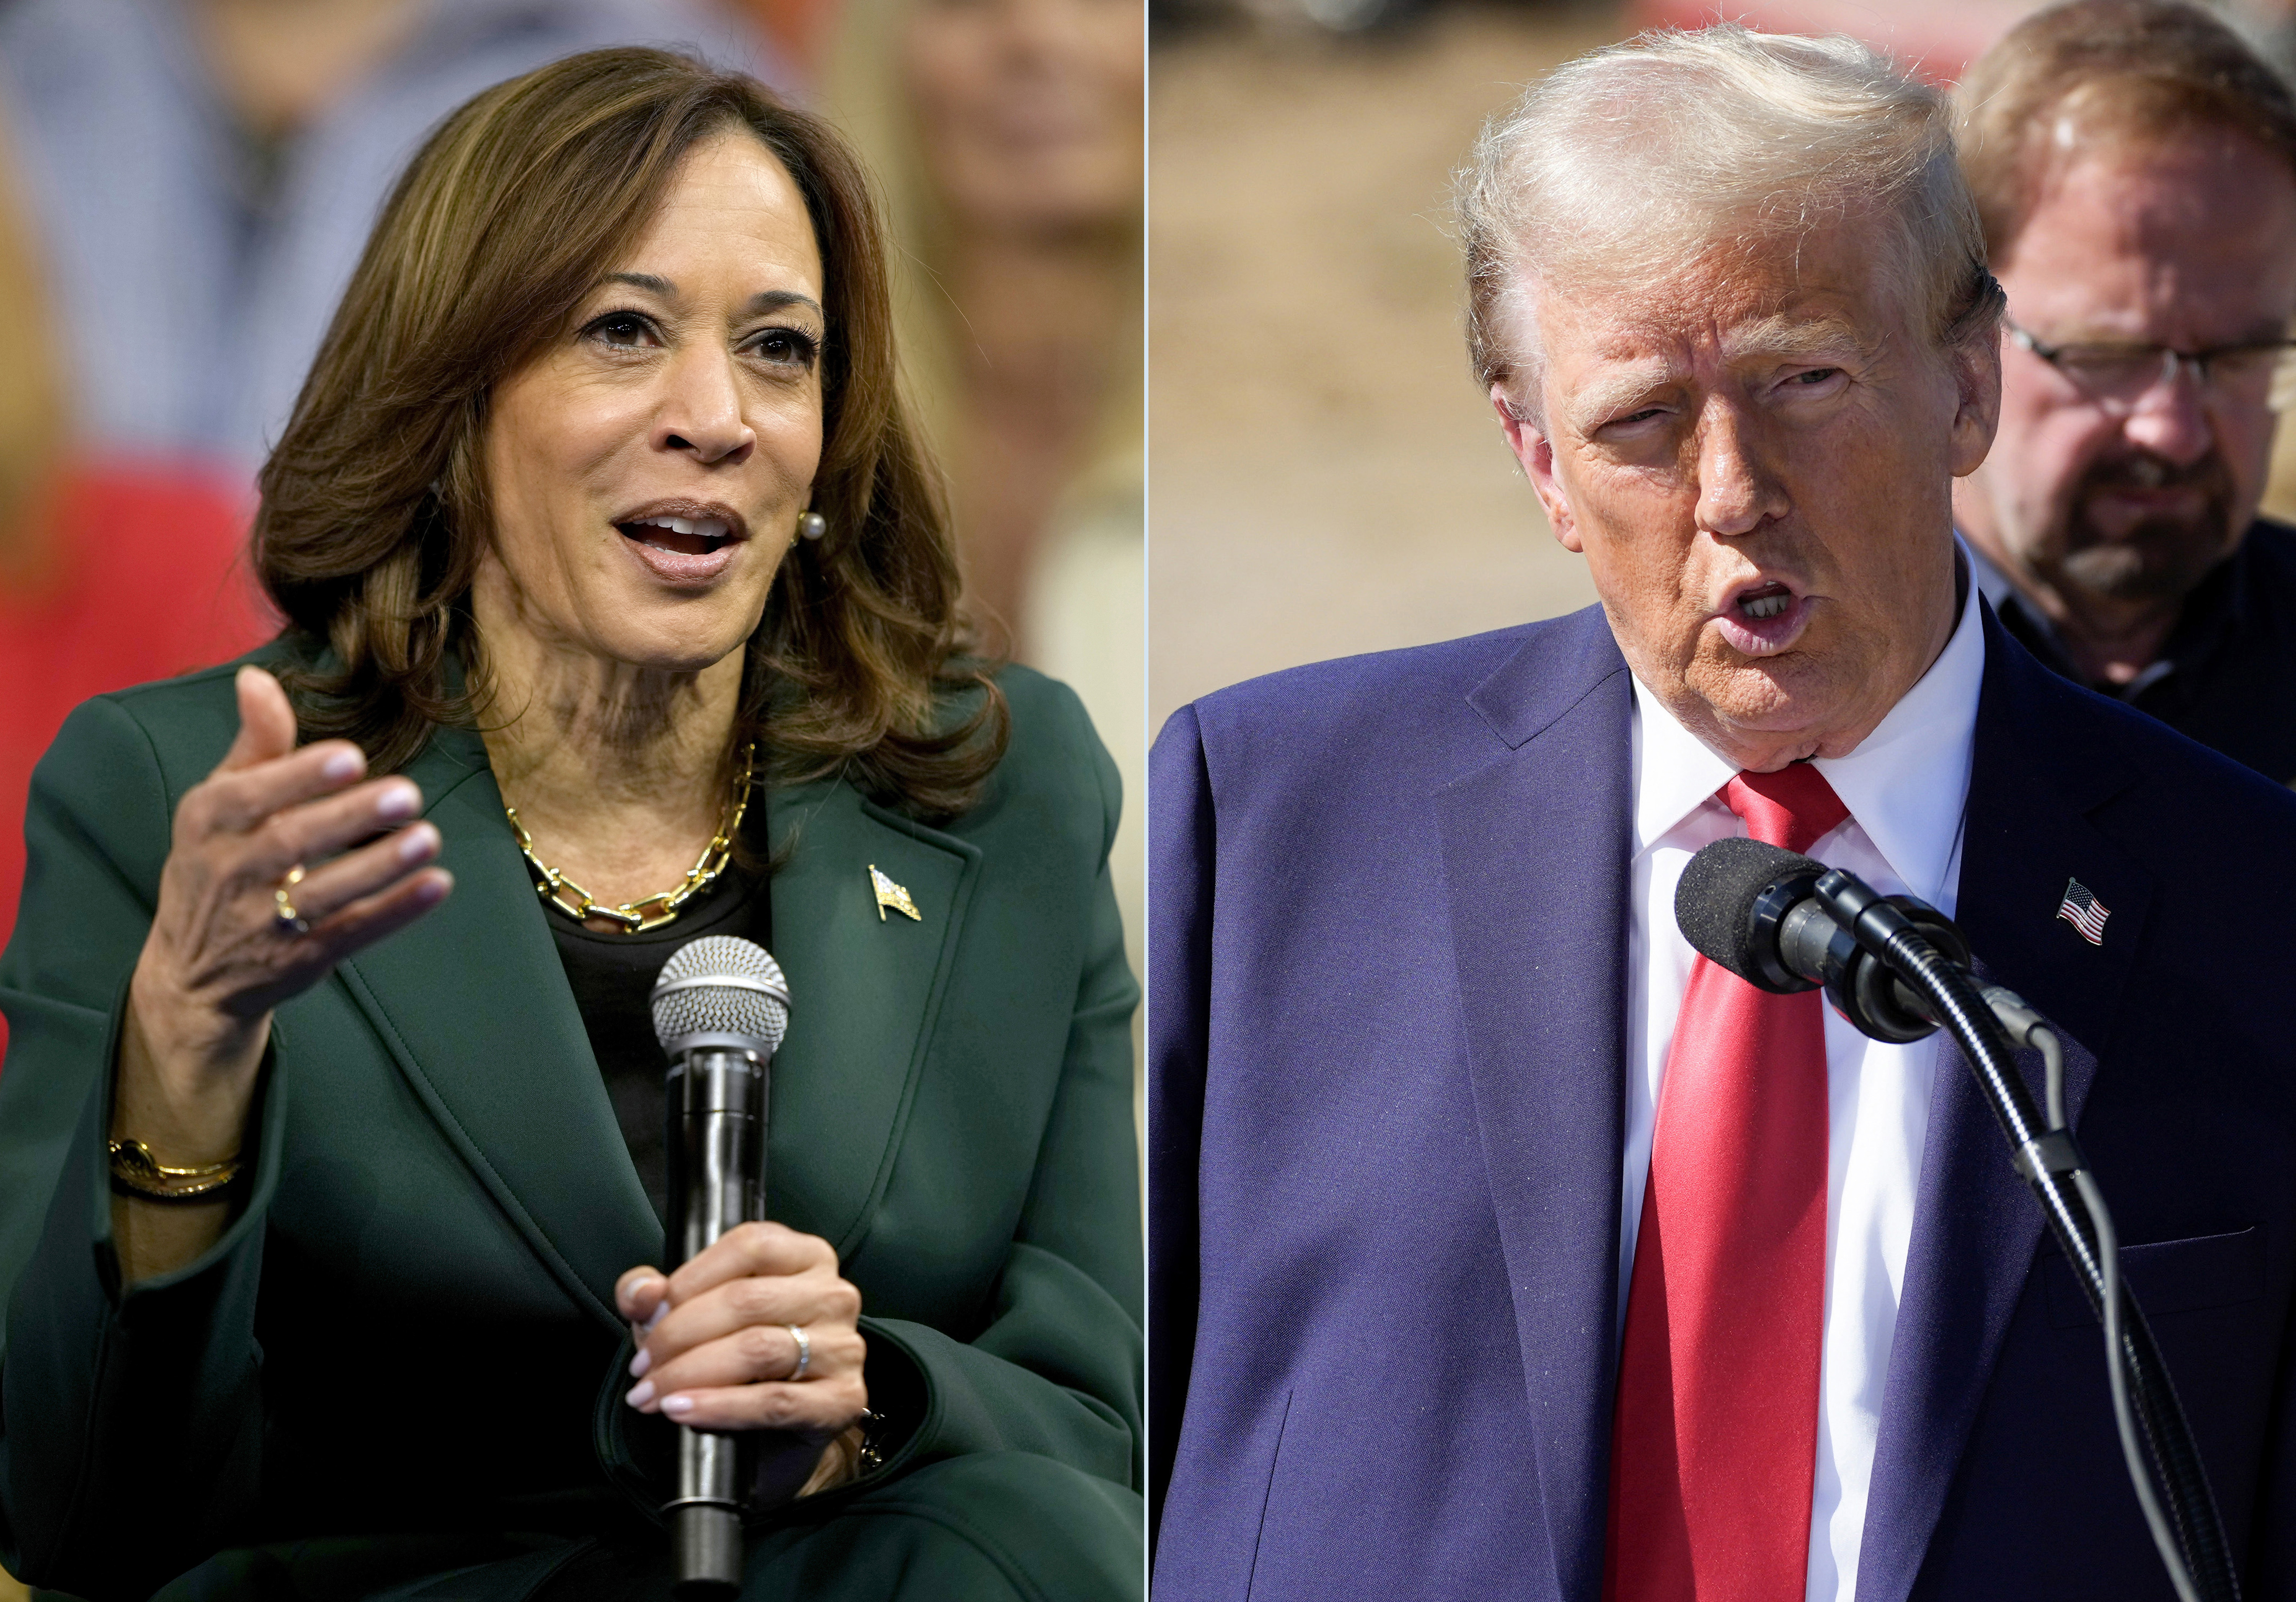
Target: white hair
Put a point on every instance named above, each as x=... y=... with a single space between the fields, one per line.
x=1635 y=161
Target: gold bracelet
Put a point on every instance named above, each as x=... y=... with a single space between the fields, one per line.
x=135 y=1172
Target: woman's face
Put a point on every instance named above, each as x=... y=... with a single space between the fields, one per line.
x=647 y=470
x=1028 y=111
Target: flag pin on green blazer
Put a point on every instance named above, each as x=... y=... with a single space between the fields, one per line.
x=890 y=894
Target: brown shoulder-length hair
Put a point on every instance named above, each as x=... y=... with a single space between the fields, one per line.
x=374 y=511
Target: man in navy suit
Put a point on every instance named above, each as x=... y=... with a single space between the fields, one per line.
x=1501 y=1246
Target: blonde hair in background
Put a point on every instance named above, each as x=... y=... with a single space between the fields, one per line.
x=33 y=425
x=1628 y=162
x=862 y=94
x=1086 y=615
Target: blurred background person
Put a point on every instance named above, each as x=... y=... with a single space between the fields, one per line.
x=113 y=568
x=798 y=30
x=1007 y=136
x=2135 y=164
x=203 y=173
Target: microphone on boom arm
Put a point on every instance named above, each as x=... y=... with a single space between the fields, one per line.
x=1898 y=969
x=720 y=1009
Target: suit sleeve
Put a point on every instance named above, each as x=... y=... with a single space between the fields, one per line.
x=1180 y=857
x=1057 y=1370
x=129 y=1419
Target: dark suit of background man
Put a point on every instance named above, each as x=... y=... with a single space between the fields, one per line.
x=2135 y=167
x=1503 y=1249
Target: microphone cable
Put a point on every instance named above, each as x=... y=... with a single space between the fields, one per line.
x=1897 y=970
x=2190 y=1533
x=2028 y=1028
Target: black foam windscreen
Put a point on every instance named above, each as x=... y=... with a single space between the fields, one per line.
x=1714 y=901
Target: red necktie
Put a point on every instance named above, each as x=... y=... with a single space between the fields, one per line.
x=1716 y=1436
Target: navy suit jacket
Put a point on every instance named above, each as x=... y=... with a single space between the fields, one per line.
x=1387 y=1057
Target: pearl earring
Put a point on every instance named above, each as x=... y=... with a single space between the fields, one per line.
x=811 y=525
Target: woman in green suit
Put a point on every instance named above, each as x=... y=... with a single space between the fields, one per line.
x=620 y=610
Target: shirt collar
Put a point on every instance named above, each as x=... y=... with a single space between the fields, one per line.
x=2025 y=624
x=2213 y=612
x=1904 y=784
x=1676 y=772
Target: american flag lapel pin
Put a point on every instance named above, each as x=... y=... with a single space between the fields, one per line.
x=890 y=894
x=2082 y=910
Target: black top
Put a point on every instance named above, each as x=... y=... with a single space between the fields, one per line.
x=612 y=977
x=2226 y=676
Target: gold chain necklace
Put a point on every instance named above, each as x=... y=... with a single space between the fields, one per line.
x=634 y=918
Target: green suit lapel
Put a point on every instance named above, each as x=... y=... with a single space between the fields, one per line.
x=473 y=1007
x=866 y=986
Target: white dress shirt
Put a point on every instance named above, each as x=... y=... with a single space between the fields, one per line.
x=1904 y=787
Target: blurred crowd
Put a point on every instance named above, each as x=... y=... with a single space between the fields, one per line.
x=185 y=186
x=1939 y=38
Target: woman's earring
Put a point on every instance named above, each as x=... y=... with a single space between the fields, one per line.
x=811 y=525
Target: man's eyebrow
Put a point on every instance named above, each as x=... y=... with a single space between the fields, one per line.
x=2265 y=331
x=1616 y=391
x=766 y=300
x=1601 y=398
x=1796 y=336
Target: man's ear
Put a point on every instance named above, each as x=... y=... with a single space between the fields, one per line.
x=1976 y=402
x=1532 y=448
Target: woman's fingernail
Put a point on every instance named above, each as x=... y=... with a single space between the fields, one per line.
x=660 y=1313
x=398 y=800
x=676 y=1407
x=417 y=843
x=343 y=765
x=640 y=1393
x=640 y=1363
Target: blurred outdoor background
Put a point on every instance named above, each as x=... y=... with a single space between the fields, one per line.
x=1325 y=478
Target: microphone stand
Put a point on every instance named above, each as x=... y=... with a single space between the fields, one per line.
x=2196 y=1551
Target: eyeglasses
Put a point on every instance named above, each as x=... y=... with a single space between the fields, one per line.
x=2117 y=377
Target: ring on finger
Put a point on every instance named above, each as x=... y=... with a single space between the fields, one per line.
x=804 y=1352
x=284 y=917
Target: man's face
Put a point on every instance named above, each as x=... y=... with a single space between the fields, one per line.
x=1755 y=456
x=2190 y=244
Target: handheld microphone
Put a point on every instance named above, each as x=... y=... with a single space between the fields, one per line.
x=1898 y=969
x=720 y=1009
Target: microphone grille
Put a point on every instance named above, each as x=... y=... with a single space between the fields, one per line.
x=721 y=985
x=1714 y=901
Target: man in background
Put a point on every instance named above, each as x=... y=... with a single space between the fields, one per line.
x=2135 y=167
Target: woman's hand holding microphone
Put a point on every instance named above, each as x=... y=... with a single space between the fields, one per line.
x=758 y=1332
x=243 y=922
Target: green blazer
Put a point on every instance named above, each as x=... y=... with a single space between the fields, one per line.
x=407 y=1340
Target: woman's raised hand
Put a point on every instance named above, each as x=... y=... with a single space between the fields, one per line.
x=717 y=1349
x=221 y=954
